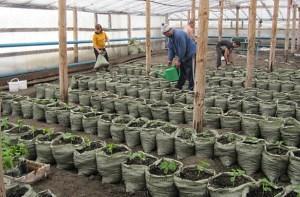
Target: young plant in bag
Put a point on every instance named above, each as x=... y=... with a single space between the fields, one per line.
x=110 y=148
x=266 y=185
x=234 y=174
x=4 y=123
x=202 y=166
x=137 y=155
x=168 y=166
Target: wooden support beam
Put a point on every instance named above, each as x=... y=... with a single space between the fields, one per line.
x=298 y=32
x=251 y=43
x=201 y=59
x=96 y=18
x=148 y=37
x=287 y=31
x=193 y=14
x=2 y=186
x=63 y=62
x=274 y=34
x=75 y=34
x=220 y=22
x=237 y=21
x=129 y=34
x=293 y=43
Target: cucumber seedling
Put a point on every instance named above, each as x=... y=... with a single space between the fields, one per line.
x=110 y=148
x=168 y=166
x=137 y=155
x=266 y=185
x=234 y=174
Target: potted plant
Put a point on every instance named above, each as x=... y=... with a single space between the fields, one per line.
x=15 y=133
x=76 y=116
x=289 y=133
x=265 y=188
x=294 y=167
x=160 y=177
x=109 y=159
x=192 y=180
x=89 y=122
x=133 y=170
x=230 y=184
x=39 y=108
x=204 y=143
x=85 y=157
x=20 y=190
x=184 y=143
x=118 y=126
x=165 y=139
x=63 y=149
x=42 y=145
x=132 y=131
x=6 y=125
x=225 y=148
x=104 y=124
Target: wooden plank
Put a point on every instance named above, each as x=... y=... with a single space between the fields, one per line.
x=75 y=34
x=2 y=186
x=237 y=21
x=201 y=59
x=63 y=62
x=220 y=22
x=148 y=36
x=251 y=43
x=298 y=32
x=293 y=42
x=193 y=14
x=129 y=34
x=274 y=34
x=287 y=32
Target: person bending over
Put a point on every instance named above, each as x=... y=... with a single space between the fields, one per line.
x=225 y=48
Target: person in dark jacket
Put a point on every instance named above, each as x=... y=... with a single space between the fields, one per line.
x=181 y=51
x=225 y=48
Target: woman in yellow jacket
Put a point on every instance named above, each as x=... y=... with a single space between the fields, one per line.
x=99 y=40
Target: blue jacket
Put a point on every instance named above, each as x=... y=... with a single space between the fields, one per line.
x=181 y=45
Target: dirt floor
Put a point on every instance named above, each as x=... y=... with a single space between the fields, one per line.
x=69 y=184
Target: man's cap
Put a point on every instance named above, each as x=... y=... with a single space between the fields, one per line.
x=166 y=28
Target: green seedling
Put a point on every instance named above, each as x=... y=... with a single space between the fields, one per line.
x=110 y=148
x=20 y=123
x=234 y=174
x=279 y=143
x=266 y=185
x=137 y=155
x=5 y=123
x=168 y=166
x=297 y=190
x=87 y=142
x=69 y=136
x=48 y=131
x=202 y=166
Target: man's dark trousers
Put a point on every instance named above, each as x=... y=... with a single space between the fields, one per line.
x=186 y=73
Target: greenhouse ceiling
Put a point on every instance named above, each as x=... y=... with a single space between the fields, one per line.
x=175 y=8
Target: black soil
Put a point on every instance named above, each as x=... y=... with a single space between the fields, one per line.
x=118 y=149
x=260 y=193
x=20 y=130
x=76 y=140
x=48 y=138
x=296 y=153
x=20 y=171
x=157 y=171
x=92 y=146
x=44 y=195
x=185 y=135
x=169 y=129
x=193 y=174
x=137 y=161
x=223 y=181
x=139 y=123
x=277 y=151
x=224 y=140
x=30 y=136
x=153 y=125
x=292 y=194
x=17 y=191
x=122 y=121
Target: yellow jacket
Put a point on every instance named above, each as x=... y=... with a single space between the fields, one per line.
x=99 y=40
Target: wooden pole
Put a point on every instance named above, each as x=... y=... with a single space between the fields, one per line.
x=63 y=62
x=75 y=34
x=201 y=59
x=129 y=26
x=251 y=43
x=220 y=22
x=237 y=21
x=298 y=32
x=274 y=33
x=96 y=18
x=2 y=186
x=148 y=37
x=293 y=47
x=193 y=14
x=287 y=30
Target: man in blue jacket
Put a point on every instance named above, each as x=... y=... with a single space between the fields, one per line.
x=182 y=50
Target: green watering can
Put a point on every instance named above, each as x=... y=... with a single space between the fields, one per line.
x=170 y=74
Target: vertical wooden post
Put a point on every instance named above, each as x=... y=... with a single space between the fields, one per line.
x=129 y=26
x=109 y=22
x=251 y=43
x=237 y=26
x=259 y=28
x=287 y=30
x=298 y=32
x=220 y=21
x=75 y=34
x=193 y=13
x=201 y=59
x=274 y=33
x=293 y=47
x=148 y=37
x=96 y=18
x=63 y=62
x=2 y=186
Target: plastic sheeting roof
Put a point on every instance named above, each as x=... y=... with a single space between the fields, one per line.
x=159 y=7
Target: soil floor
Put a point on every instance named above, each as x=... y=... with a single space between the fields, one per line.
x=69 y=184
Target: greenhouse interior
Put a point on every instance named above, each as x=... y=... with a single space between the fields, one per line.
x=135 y=98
